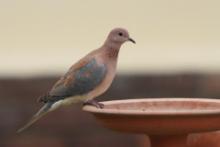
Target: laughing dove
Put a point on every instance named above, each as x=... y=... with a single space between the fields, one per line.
x=88 y=78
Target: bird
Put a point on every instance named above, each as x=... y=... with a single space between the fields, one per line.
x=88 y=78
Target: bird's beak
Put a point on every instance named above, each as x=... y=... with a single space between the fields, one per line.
x=132 y=40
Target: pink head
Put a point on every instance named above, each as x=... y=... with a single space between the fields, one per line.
x=117 y=37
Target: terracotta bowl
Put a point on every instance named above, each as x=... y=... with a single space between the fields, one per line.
x=167 y=121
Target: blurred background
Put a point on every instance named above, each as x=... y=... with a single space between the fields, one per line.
x=176 y=55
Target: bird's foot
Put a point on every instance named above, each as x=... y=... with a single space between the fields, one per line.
x=94 y=103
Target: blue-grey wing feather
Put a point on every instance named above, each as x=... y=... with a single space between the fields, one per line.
x=78 y=82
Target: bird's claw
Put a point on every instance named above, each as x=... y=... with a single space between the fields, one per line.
x=94 y=103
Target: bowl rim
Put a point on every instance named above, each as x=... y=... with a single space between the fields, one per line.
x=94 y=110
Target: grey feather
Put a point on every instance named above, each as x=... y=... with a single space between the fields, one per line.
x=44 y=110
x=84 y=80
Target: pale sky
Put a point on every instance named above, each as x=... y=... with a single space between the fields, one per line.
x=47 y=36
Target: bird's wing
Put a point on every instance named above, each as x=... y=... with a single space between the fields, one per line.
x=80 y=79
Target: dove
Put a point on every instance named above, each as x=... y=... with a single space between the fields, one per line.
x=88 y=78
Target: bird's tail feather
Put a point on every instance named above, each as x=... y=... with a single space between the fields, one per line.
x=44 y=110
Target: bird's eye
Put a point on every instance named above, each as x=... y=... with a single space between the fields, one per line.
x=120 y=34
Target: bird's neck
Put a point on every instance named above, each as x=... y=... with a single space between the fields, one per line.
x=112 y=49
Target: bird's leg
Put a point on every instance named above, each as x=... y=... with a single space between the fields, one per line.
x=94 y=103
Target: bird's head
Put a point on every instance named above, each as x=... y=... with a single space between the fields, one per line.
x=118 y=36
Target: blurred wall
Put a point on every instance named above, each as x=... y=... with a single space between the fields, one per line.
x=47 y=36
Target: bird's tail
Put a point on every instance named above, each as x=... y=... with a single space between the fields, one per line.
x=44 y=110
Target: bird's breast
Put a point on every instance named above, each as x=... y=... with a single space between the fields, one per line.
x=106 y=82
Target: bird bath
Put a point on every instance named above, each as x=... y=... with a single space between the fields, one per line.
x=167 y=121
